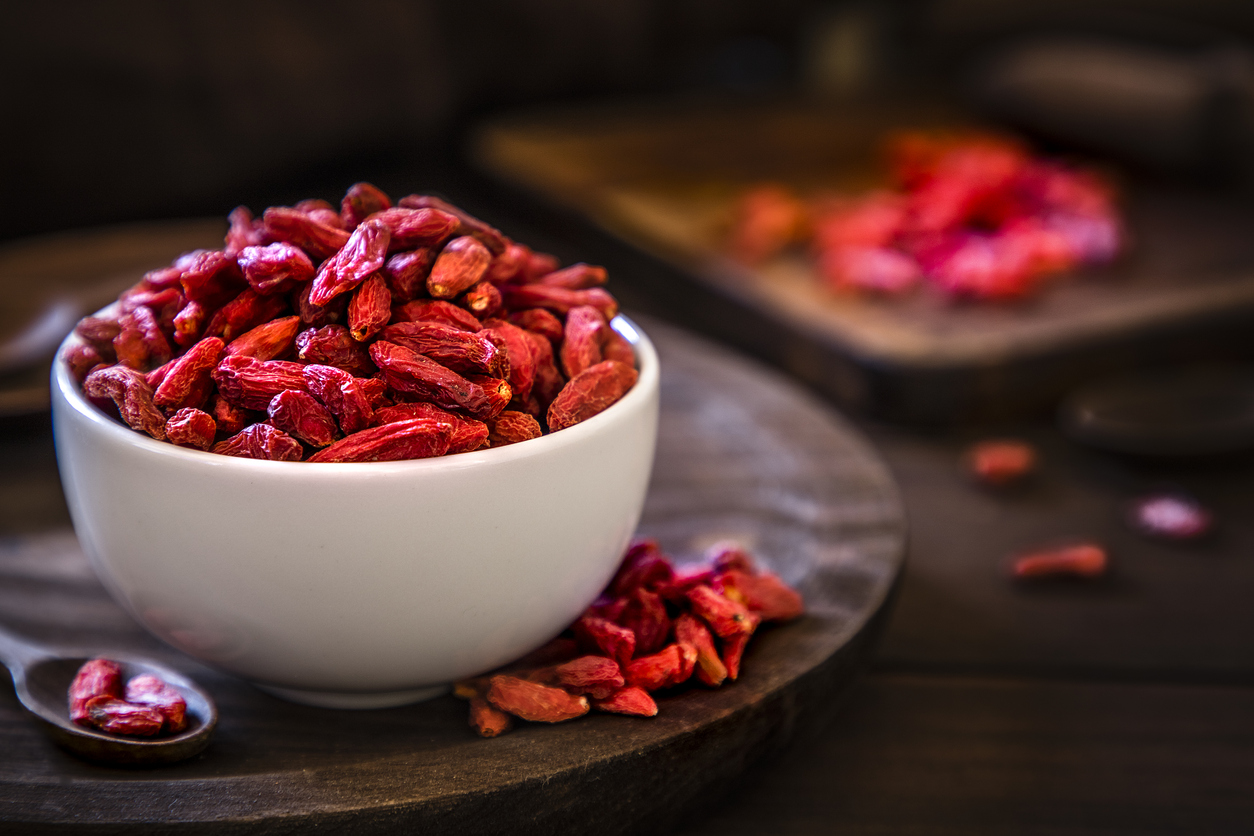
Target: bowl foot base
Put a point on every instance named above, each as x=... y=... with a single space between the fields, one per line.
x=348 y=699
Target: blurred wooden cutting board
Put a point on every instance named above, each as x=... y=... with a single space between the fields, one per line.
x=665 y=177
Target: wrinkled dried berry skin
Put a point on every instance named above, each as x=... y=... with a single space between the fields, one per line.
x=409 y=372
x=188 y=383
x=96 y=678
x=333 y=345
x=361 y=201
x=370 y=308
x=152 y=692
x=436 y=310
x=274 y=268
x=131 y=394
x=511 y=427
x=459 y=350
x=191 y=428
x=293 y=226
x=406 y=274
x=342 y=394
x=251 y=384
x=575 y=277
x=461 y=264
x=591 y=393
x=273 y=340
x=302 y=416
x=418 y=438
x=261 y=441
x=362 y=255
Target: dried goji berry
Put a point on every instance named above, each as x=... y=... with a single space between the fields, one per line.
x=613 y=640
x=341 y=393
x=140 y=344
x=533 y=701
x=320 y=240
x=645 y=615
x=409 y=372
x=575 y=277
x=406 y=274
x=370 y=308
x=148 y=690
x=589 y=394
x=271 y=340
x=131 y=394
x=436 y=310
x=211 y=277
x=300 y=415
x=511 y=427
x=461 y=264
x=581 y=349
x=1082 y=560
x=1001 y=462
x=449 y=346
x=418 y=438
x=764 y=594
x=467 y=224
x=691 y=631
x=319 y=315
x=362 y=255
x=539 y=321
x=660 y=670
x=333 y=345
x=189 y=323
x=191 y=428
x=644 y=566
x=361 y=201
x=733 y=652
x=487 y=720
x=244 y=231
x=558 y=299
x=96 y=678
x=82 y=359
x=261 y=441
x=726 y=617
x=482 y=299
x=629 y=700
x=251 y=384
x=274 y=268
x=416 y=227
x=520 y=351
x=465 y=434
x=596 y=676
x=243 y=313
x=188 y=382
x=507 y=265
x=229 y=417
x=115 y=716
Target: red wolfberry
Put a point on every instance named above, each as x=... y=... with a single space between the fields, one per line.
x=630 y=700
x=96 y=678
x=535 y=702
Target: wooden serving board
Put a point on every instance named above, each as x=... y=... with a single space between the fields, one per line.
x=666 y=180
x=741 y=454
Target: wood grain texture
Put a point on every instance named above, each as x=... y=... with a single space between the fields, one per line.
x=666 y=180
x=740 y=454
x=950 y=755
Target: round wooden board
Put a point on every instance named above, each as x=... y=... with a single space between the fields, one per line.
x=741 y=454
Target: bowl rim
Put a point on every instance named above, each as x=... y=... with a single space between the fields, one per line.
x=64 y=384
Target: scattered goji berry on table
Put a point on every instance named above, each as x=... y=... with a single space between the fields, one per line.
x=1001 y=462
x=1081 y=560
x=636 y=640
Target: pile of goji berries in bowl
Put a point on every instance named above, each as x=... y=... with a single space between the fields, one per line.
x=357 y=454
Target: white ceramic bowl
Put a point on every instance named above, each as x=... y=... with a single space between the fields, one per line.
x=358 y=585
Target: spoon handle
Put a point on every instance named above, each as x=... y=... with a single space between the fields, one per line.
x=17 y=653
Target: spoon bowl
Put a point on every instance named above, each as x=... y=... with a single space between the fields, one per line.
x=41 y=680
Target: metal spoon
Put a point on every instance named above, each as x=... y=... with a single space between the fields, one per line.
x=42 y=677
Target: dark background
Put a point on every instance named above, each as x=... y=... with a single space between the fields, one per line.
x=140 y=110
